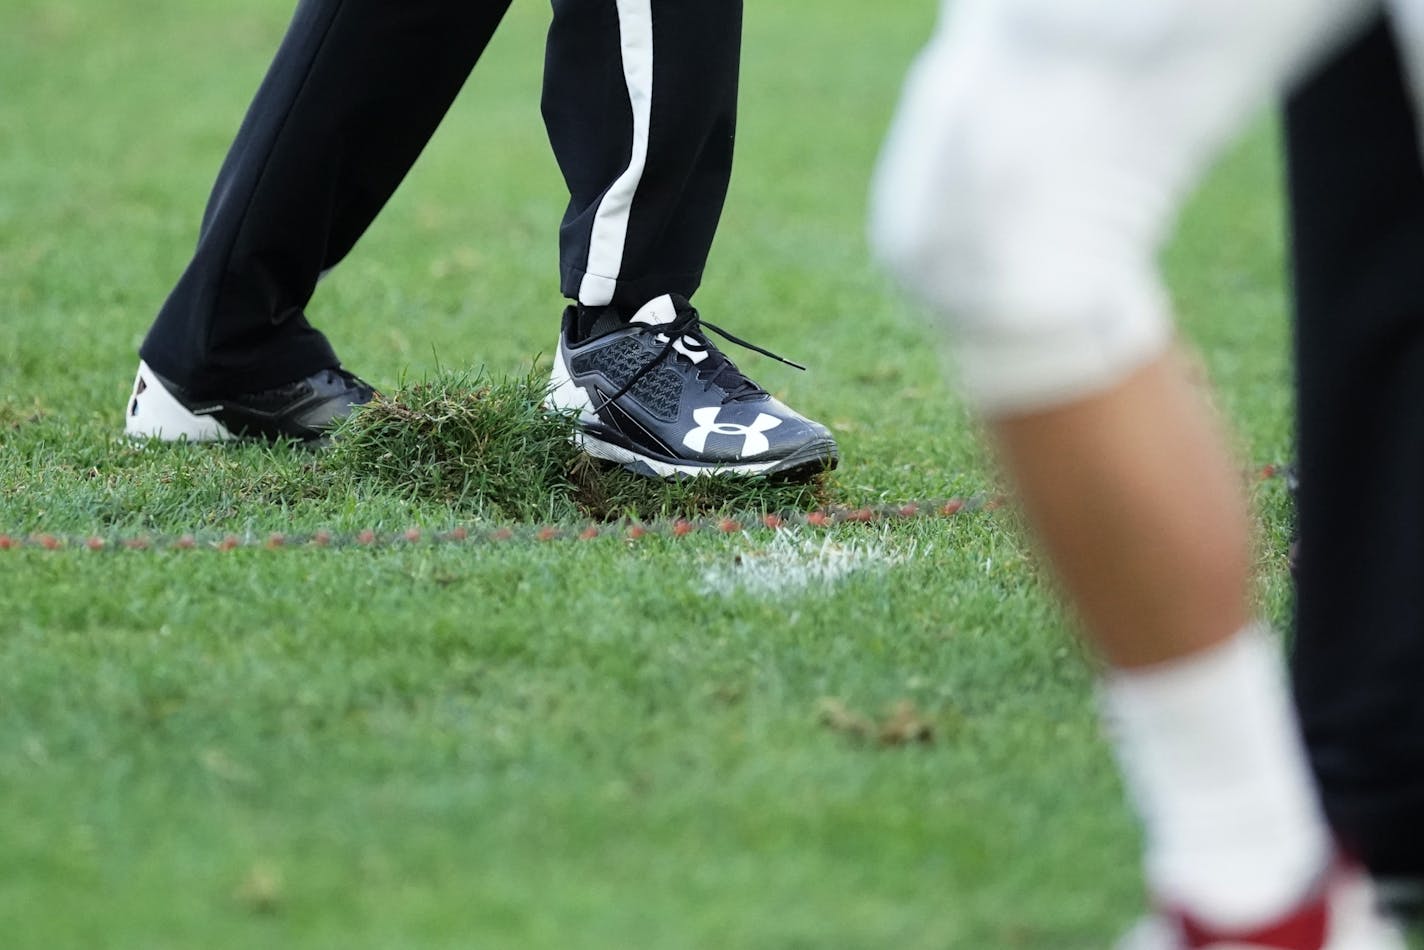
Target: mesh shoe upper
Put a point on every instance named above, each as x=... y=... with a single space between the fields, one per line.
x=659 y=390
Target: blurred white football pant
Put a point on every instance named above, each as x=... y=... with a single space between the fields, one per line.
x=1040 y=153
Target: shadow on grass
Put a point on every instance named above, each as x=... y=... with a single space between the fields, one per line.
x=490 y=446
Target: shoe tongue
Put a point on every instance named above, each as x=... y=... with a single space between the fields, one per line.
x=658 y=311
x=663 y=310
x=594 y=322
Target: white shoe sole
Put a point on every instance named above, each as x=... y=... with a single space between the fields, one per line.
x=627 y=458
x=153 y=412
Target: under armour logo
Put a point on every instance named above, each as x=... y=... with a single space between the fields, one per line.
x=753 y=441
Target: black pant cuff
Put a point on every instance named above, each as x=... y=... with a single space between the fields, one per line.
x=250 y=373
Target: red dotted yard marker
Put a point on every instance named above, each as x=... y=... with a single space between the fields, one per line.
x=628 y=529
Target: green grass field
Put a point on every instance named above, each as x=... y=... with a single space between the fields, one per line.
x=607 y=743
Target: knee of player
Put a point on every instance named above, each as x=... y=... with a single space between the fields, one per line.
x=1040 y=308
x=923 y=229
x=1054 y=339
x=950 y=218
x=1043 y=281
x=984 y=261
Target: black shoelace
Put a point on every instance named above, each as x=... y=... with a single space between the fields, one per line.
x=716 y=370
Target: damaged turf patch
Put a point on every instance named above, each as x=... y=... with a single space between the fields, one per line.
x=16 y=416
x=902 y=724
x=464 y=441
x=490 y=447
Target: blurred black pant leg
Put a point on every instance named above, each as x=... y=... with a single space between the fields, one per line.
x=355 y=91
x=640 y=100
x=640 y=103
x=1357 y=202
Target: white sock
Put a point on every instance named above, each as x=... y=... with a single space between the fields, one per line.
x=1212 y=757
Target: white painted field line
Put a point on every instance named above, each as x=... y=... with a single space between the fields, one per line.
x=793 y=561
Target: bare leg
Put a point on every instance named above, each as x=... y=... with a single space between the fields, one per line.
x=1033 y=170
x=1138 y=505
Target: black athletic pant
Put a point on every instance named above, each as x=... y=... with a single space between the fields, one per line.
x=640 y=105
x=1357 y=200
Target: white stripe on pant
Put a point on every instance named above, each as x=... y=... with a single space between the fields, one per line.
x=610 y=226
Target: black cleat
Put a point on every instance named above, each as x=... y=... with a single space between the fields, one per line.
x=654 y=395
x=305 y=410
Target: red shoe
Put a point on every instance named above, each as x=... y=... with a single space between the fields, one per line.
x=1342 y=914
